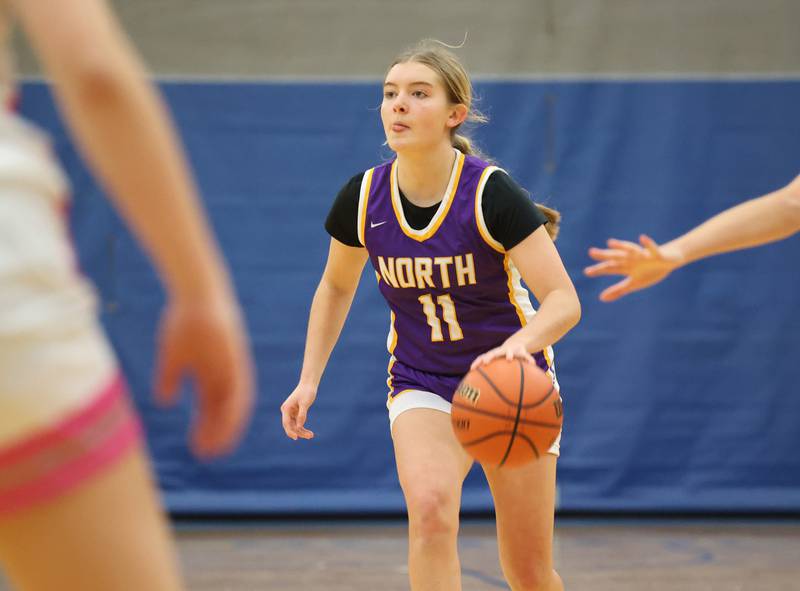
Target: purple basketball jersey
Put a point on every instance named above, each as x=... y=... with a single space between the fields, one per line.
x=452 y=290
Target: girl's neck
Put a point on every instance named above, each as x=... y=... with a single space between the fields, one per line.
x=423 y=176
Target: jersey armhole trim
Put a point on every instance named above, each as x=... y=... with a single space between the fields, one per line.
x=363 y=197
x=479 y=219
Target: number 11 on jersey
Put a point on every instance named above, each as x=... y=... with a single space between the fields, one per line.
x=448 y=313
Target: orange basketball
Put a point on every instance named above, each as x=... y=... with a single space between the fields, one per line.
x=506 y=413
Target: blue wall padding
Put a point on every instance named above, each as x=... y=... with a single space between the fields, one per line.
x=681 y=399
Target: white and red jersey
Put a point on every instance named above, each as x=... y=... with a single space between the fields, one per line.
x=64 y=412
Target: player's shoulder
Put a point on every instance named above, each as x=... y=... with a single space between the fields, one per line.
x=501 y=186
x=356 y=178
x=382 y=167
x=355 y=184
x=352 y=187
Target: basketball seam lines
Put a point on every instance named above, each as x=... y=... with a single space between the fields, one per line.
x=522 y=436
x=499 y=416
x=506 y=400
x=495 y=388
x=527 y=440
x=542 y=400
x=519 y=412
x=485 y=438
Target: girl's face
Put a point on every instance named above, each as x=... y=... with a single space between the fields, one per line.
x=416 y=111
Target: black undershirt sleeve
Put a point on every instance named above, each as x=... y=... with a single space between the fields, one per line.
x=509 y=212
x=342 y=220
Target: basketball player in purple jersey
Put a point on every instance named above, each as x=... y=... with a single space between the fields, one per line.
x=765 y=219
x=79 y=509
x=449 y=237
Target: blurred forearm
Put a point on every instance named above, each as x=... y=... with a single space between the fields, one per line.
x=125 y=134
x=759 y=221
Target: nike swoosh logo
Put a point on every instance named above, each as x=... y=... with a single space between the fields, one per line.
x=374 y=225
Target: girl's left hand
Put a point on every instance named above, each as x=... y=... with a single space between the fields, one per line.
x=509 y=350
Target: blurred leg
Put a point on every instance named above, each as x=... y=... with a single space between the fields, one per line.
x=106 y=534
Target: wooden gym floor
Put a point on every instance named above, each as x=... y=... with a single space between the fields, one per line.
x=591 y=555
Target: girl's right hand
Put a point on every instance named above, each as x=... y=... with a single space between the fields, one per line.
x=294 y=411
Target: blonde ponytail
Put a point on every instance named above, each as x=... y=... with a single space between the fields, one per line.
x=553 y=220
x=463 y=144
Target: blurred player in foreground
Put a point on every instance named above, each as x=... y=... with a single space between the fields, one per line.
x=78 y=506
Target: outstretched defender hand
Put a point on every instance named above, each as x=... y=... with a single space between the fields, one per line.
x=207 y=342
x=294 y=412
x=644 y=264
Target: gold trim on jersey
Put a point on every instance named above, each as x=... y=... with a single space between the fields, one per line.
x=392 y=361
x=483 y=229
x=520 y=299
x=513 y=295
x=363 y=197
x=391 y=340
x=444 y=206
x=517 y=294
x=390 y=399
x=391 y=343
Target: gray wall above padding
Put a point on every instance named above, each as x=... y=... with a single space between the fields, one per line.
x=506 y=38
